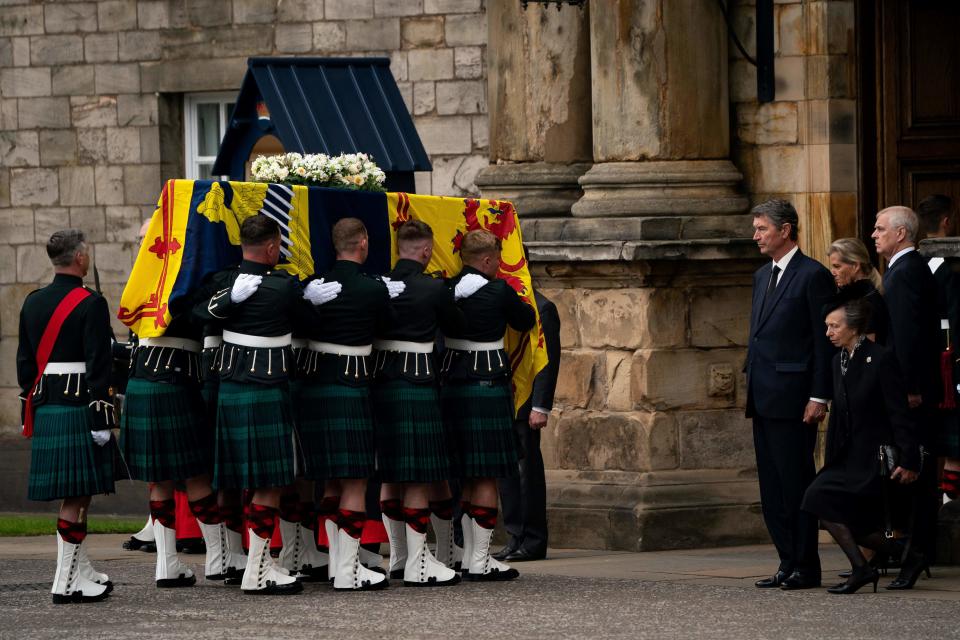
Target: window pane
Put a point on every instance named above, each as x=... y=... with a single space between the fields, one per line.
x=208 y=129
x=205 y=171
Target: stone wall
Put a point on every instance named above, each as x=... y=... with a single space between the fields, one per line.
x=802 y=146
x=91 y=110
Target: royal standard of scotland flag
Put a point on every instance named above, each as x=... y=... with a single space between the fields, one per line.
x=195 y=231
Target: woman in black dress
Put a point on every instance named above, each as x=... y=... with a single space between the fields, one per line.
x=850 y=266
x=869 y=410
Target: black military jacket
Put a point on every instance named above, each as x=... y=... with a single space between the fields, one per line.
x=487 y=314
x=426 y=304
x=272 y=311
x=84 y=337
x=351 y=320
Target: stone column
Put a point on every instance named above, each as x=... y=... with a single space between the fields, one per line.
x=661 y=136
x=538 y=69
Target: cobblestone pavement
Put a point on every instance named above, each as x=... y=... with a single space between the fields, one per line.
x=680 y=594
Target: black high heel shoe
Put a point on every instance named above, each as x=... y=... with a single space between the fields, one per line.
x=859 y=578
x=910 y=572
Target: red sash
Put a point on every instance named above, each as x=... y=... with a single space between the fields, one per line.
x=60 y=314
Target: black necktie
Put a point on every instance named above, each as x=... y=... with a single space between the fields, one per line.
x=771 y=287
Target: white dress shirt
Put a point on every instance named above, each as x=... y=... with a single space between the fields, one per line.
x=897 y=255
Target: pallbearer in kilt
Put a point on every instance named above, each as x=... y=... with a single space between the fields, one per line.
x=167 y=439
x=257 y=307
x=63 y=369
x=335 y=418
x=478 y=399
x=411 y=444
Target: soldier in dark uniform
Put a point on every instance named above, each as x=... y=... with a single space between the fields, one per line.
x=257 y=306
x=478 y=400
x=335 y=418
x=411 y=443
x=167 y=438
x=63 y=369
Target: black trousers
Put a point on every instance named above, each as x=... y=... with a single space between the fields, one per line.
x=523 y=497
x=925 y=499
x=785 y=469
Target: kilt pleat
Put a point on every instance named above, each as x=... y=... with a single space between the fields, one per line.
x=336 y=430
x=164 y=433
x=254 y=443
x=411 y=442
x=65 y=462
x=480 y=423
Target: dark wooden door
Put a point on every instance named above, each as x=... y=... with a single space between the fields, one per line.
x=915 y=102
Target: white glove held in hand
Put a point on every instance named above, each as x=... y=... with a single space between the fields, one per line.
x=394 y=288
x=319 y=292
x=468 y=285
x=101 y=437
x=244 y=286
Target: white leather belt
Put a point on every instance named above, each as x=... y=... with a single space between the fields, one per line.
x=245 y=340
x=404 y=346
x=470 y=345
x=64 y=368
x=212 y=342
x=340 y=349
x=172 y=343
x=298 y=343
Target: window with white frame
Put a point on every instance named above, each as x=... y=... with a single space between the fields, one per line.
x=205 y=119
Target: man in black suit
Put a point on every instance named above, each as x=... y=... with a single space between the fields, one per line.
x=913 y=305
x=788 y=386
x=524 y=497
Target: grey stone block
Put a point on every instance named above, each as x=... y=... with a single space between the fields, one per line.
x=52 y=113
x=461 y=30
x=425 y=31
x=254 y=11
x=90 y=220
x=49 y=219
x=299 y=10
x=180 y=44
x=141 y=184
x=93 y=111
x=33 y=265
x=117 y=78
x=16 y=226
x=70 y=17
x=452 y=6
x=76 y=186
x=175 y=77
x=25 y=82
x=8 y=113
x=329 y=36
x=348 y=10
x=123 y=145
x=382 y=33
x=398 y=65
x=383 y=8
x=153 y=14
x=8 y=274
x=108 y=184
x=430 y=64
x=33 y=186
x=74 y=80
x=209 y=13
x=150 y=145
x=117 y=15
x=91 y=145
x=468 y=62
x=19 y=149
x=481 y=132
x=58 y=147
x=22 y=20
x=21 y=52
x=294 y=38
x=461 y=96
x=424 y=98
x=114 y=261
x=123 y=223
x=139 y=110
x=449 y=135
x=4 y=187
x=101 y=47
x=6 y=52
x=139 y=45
x=51 y=50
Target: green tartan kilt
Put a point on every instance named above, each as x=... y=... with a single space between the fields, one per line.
x=254 y=443
x=479 y=420
x=336 y=431
x=411 y=442
x=164 y=434
x=65 y=462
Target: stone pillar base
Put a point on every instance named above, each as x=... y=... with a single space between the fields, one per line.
x=654 y=511
x=537 y=189
x=661 y=188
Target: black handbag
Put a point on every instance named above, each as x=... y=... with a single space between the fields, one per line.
x=889 y=458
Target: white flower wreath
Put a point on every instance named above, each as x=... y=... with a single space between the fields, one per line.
x=353 y=171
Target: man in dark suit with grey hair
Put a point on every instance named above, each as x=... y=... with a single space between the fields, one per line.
x=788 y=386
x=524 y=496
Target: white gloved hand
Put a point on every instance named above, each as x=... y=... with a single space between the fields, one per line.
x=468 y=285
x=319 y=292
x=244 y=286
x=395 y=288
x=101 y=437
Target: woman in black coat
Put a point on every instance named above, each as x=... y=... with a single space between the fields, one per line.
x=869 y=410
